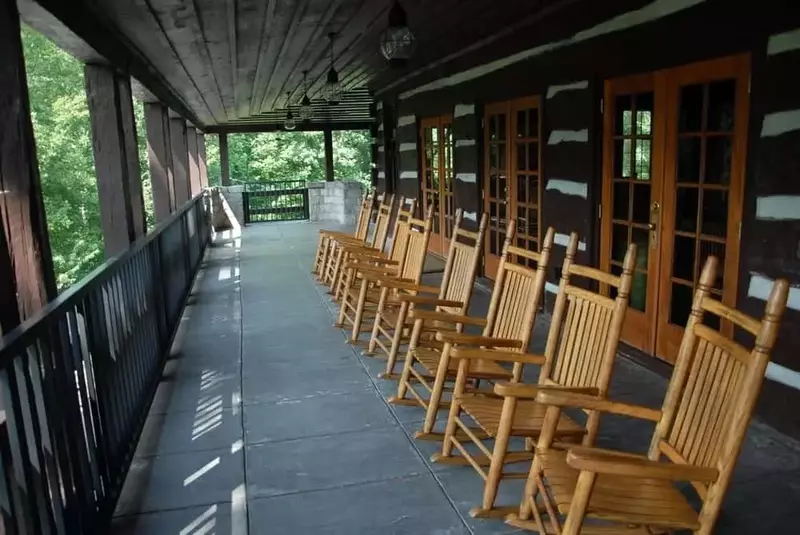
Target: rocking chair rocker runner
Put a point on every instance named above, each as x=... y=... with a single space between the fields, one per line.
x=360 y=234
x=342 y=250
x=579 y=357
x=699 y=429
x=361 y=292
x=392 y=327
x=512 y=311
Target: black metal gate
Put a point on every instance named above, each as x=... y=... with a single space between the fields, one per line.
x=276 y=201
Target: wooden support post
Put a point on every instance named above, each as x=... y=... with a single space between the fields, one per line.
x=224 y=162
x=328 y=154
x=194 y=164
x=158 y=152
x=116 y=158
x=201 y=157
x=180 y=160
x=27 y=281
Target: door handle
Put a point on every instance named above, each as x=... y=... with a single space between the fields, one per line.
x=653 y=225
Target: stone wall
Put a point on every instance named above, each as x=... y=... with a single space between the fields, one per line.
x=227 y=205
x=337 y=201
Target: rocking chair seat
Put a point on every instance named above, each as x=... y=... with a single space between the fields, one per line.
x=528 y=417
x=479 y=369
x=628 y=500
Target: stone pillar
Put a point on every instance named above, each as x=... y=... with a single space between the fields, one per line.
x=224 y=162
x=338 y=201
x=27 y=281
x=180 y=160
x=201 y=158
x=194 y=163
x=159 y=155
x=328 y=154
x=116 y=158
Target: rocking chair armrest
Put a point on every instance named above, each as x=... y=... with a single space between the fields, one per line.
x=435 y=315
x=372 y=265
x=419 y=288
x=607 y=462
x=497 y=356
x=528 y=391
x=403 y=284
x=374 y=273
x=426 y=300
x=561 y=398
x=478 y=341
x=368 y=255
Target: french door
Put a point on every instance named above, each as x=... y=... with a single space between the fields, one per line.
x=512 y=188
x=437 y=179
x=673 y=171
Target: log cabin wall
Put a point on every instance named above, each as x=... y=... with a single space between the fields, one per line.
x=568 y=75
x=408 y=163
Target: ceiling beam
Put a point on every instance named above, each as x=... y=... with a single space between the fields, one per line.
x=305 y=127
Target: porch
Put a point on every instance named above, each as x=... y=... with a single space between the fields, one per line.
x=266 y=421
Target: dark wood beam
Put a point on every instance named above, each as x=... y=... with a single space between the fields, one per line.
x=328 y=133
x=159 y=155
x=201 y=159
x=116 y=159
x=27 y=281
x=224 y=161
x=194 y=164
x=305 y=127
x=79 y=29
x=180 y=160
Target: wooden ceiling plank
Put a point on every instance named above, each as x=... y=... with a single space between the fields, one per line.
x=276 y=34
x=213 y=22
x=252 y=27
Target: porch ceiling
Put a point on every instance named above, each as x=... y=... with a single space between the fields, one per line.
x=232 y=62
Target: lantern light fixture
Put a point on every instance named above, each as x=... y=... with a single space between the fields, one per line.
x=333 y=88
x=397 y=40
x=289 y=123
x=306 y=112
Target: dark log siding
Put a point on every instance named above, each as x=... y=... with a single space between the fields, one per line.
x=467 y=162
x=711 y=29
x=408 y=158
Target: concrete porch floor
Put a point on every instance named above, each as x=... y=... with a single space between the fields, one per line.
x=267 y=422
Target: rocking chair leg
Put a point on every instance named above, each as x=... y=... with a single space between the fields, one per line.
x=373 y=340
x=580 y=502
x=402 y=384
x=436 y=394
x=362 y=298
x=495 y=473
x=342 y=308
x=455 y=409
x=396 y=337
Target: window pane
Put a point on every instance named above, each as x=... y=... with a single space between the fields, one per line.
x=689 y=159
x=643 y=159
x=623 y=115
x=622 y=158
x=680 y=304
x=644 y=114
x=533 y=122
x=690 y=115
x=719 y=151
x=721 y=99
x=621 y=200
x=686 y=209
x=619 y=242
x=522 y=124
x=641 y=203
x=521 y=154
x=715 y=212
x=708 y=248
x=683 y=258
x=522 y=189
x=533 y=156
x=501 y=127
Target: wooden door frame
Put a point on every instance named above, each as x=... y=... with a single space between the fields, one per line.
x=438 y=243
x=515 y=106
x=491 y=262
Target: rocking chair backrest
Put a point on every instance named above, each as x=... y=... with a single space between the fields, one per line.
x=586 y=325
x=517 y=291
x=382 y=221
x=462 y=264
x=365 y=215
x=714 y=388
x=419 y=234
x=405 y=213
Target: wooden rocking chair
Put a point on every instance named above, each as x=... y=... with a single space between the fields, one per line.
x=392 y=327
x=341 y=249
x=362 y=291
x=359 y=236
x=579 y=357
x=508 y=325
x=699 y=429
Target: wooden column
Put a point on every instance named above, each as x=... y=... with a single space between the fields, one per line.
x=180 y=160
x=224 y=162
x=27 y=281
x=201 y=157
x=328 y=154
x=194 y=165
x=159 y=155
x=116 y=159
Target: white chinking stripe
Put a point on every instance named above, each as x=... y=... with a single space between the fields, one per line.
x=653 y=11
x=405 y=147
x=780 y=122
x=761 y=285
x=465 y=143
x=553 y=90
x=783 y=375
x=783 y=42
x=408 y=174
x=464 y=109
x=379 y=106
x=564 y=136
x=550 y=287
x=778 y=208
x=567 y=187
x=381 y=148
x=563 y=240
x=472 y=216
x=381 y=174
x=467 y=177
x=380 y=127
x=406 y=120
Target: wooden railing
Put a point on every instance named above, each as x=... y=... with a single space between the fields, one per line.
x=77 y=380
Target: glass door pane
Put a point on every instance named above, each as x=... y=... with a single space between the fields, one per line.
x=497 y=181
x=525 y=159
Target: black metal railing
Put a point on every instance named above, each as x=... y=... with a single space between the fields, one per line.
x=77 y=380
x=275 y=201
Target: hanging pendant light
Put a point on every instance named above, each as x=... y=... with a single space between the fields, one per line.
x=306 y=112
x=333 y=89
x=289 y=123
x=397 y=41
